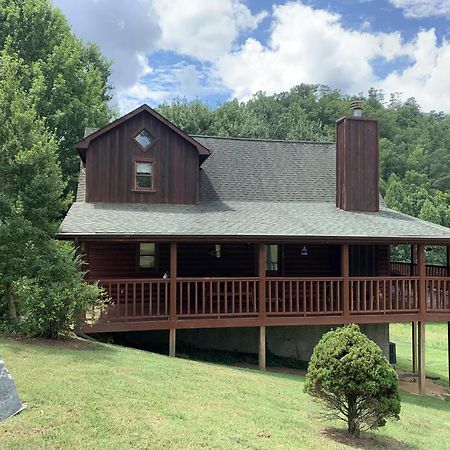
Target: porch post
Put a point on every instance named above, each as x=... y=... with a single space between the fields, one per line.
x=345 y=273
x=421 y=372
x=412 y=262
x=448 y=323
x=414 y=346
x=173 y=298
x=262 y=304
x=422 y=280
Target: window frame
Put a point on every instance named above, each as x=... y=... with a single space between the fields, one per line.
x=153 y=269
x=139 y=130
x=151 y=161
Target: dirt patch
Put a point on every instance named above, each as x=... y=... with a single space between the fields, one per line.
x=366 y=441
x=410 y=384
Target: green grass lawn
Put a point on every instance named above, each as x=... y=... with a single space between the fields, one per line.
x=436 y=359
x=96 y=396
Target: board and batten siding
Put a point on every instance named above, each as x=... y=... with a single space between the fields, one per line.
x=110 y=165
x=120 y=260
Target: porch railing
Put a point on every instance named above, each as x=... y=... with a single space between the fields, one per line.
x=137 y=300
x=303 y=296
x=217 y=297
x=404 y=269
x=384 y=295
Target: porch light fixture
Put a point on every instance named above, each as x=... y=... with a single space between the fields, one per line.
x=217 y=252
x=304 y=251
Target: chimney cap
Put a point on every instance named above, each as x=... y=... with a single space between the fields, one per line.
x=356 y=107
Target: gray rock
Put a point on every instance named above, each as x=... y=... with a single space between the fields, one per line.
x=9 y=399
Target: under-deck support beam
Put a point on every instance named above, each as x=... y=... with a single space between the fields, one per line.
x=262 y=348
x=421 y=360
x=414 y=346
x=172 y=342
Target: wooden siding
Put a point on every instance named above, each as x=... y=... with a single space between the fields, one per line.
x=119 y=260
x=109 y=165
x=357 y=164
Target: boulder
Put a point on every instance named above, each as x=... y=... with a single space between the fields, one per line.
x=9 y=399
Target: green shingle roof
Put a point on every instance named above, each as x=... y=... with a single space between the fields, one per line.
x=252 y=188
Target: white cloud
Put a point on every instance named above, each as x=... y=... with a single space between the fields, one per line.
x=423 y=8
x=167 y=82
x=203 y=29
x=124 y=31
x=426 y=78
x=307 y=46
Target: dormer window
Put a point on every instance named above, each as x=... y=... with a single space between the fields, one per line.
x=144 y=176
x=144 y=139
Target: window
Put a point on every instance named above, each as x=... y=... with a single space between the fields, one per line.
x=147 y=255
x=144 y=139
x=271 y=258
x=144 y=176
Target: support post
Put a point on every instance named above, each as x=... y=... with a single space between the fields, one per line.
x=345 y=273
x=413 y=260
x=448 y=350
x=262 y=282
x=262 y=348
x=173 y=297
x=421 y=371
x=414 y=346
x=172 y=342
x=422 y=280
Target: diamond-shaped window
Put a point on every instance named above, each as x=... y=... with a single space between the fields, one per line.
x=144 y=139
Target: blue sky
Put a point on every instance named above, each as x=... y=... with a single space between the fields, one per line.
x=221 y=49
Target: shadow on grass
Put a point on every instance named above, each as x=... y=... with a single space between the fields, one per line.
x=367 y=441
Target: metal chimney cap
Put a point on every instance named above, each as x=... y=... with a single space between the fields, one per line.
x=356 y=107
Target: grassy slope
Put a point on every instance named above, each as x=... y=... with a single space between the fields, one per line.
x=436 y=348
x=106 y=397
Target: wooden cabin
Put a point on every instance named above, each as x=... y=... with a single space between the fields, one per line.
x=197 y=232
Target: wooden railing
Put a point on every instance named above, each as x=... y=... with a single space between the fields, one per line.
x=404 y=269
x=217 y=297
x=384 y=295
x=438 y=290
x=131 y=300
x=303 y=296
x=140 y=300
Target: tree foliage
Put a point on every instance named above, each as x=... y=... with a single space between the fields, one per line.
x=66 y=79
x=350 y=375
x=40 y=286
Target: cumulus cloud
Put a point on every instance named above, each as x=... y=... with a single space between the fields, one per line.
x=423 y=8
x=203 y=29
x=307 y=46
x=426 y=78
x=125 y=32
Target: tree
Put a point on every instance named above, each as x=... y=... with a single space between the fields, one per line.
x=31 y=202
x=350 y=375
x=67 y=80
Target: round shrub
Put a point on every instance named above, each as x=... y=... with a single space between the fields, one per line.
x=350 y=375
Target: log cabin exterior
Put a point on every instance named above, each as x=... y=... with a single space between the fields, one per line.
x=210 y=232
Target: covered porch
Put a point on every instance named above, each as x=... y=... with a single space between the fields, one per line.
x=207 y=284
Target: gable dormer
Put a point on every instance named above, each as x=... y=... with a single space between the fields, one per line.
x=142 y=158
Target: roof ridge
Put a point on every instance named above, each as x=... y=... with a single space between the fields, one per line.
x=261 y=139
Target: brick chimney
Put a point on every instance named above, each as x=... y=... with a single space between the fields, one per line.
x=357 y=162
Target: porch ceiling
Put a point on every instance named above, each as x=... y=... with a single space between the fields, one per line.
x=239 y=219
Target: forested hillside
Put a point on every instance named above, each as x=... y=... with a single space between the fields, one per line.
x=414 y=146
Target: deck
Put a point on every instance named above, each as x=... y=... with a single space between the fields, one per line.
x=164 y=303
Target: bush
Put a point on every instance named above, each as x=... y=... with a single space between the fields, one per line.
x=52 y=301
x=350 y=375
